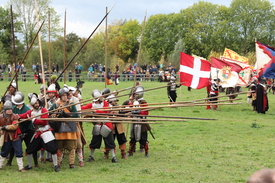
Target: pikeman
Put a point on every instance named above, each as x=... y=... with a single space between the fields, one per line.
x=215 y=92
x=79 y=142
x=118 y=129
x=12 y=89
x=102 y=129
x=43 y=137
x=10 y=133
x=139 y=130
x=26 y=127
x=171 y=89
x=51 y=98
x=65 y=132
x=41 y=94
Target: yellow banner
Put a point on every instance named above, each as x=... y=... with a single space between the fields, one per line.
x=235 y=56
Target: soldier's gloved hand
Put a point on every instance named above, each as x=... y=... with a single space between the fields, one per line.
x=136 y=112
x=4 y=127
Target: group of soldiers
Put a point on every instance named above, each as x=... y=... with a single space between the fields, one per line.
x=49 y=124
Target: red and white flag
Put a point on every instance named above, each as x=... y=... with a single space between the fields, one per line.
x=227 y=72
x=194 y=72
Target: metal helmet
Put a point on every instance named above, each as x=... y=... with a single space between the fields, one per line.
x=172 y=78
x=96 y=94
x=7 y=105
x=51 y=88
x=62 y=91
x=112 y=98
x=73 y=89
x=13 y=84
x=139 y=90
x=33 y=98
x=18 y=98
x=105 y=92
x=42 y=87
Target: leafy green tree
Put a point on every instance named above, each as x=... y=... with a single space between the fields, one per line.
x=27 y=15
x=204 y=27
x=251 y=19
x=160 y=35
x=123 y=39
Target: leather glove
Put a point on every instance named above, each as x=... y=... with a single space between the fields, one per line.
x=4 y=127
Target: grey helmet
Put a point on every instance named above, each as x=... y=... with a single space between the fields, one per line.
x=105 y=92
x=13 y=84
x=111 y=98
x=33 y=98
x=139 y=90
x=172 y=78
x=42 y=87
x=18 y=98
x=7 y=105
x=96 y=94
x=62 y=91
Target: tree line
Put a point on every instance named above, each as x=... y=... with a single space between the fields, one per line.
x=203 y=29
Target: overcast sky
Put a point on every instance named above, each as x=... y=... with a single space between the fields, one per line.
x=84 y=15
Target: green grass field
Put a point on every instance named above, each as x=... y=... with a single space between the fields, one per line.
x=228 y=149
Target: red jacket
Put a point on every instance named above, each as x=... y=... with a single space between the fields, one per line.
x=105 y=104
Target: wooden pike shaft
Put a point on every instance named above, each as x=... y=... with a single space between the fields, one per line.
x=164 y=106
x=149 y=104
x=71 y=105
x=130 y=119
x=134 y=115
x=93 y=120
x=83 y=45
x=27 y=52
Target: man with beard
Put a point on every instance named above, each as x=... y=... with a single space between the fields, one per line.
x=10 y=132
x=43 y=137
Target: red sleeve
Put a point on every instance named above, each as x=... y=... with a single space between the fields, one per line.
x=42 y=122
x=144 y=112
x=25 y=115
x=88 y=106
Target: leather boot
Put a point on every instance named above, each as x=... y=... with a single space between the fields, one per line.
x=106 y=154
x=123 y=154
x=131 y=149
